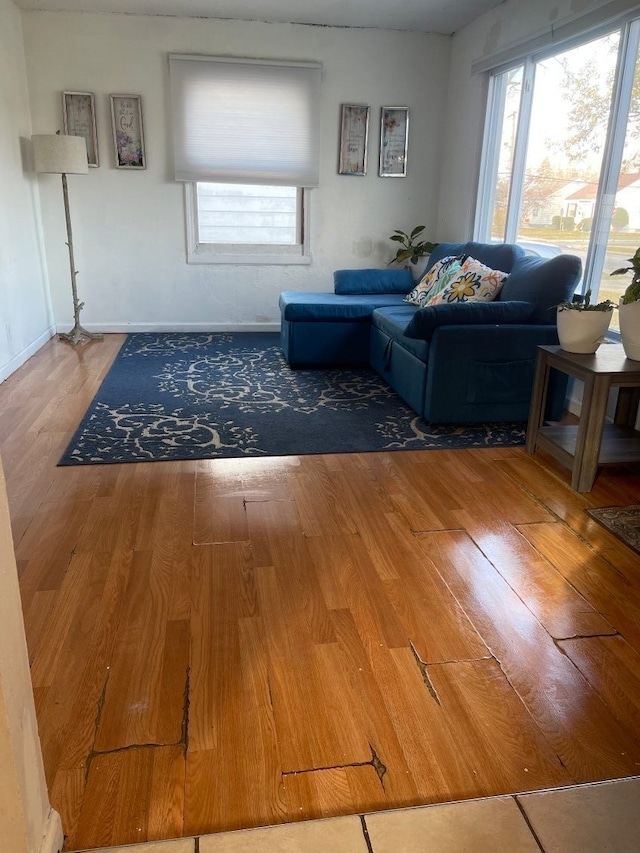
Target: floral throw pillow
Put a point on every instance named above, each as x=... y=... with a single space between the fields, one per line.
x=440 y=274
x=474 y=282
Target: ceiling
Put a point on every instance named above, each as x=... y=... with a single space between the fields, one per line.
x=435 y=16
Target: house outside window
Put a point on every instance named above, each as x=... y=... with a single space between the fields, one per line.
x=561 y=159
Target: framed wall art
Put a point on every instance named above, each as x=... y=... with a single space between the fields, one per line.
x=128 y=136
x=394 y=138
x=354 y=136
x=79 y=119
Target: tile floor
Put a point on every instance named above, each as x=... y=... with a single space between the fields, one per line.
x=604 y=816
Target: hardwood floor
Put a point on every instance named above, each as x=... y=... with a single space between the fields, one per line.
x=232 y=643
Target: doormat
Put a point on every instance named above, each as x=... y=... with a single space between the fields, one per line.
x=622 y=521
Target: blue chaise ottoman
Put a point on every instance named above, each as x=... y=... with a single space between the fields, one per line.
x=325 y=329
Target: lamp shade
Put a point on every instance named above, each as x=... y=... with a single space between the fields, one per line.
x=60 y=154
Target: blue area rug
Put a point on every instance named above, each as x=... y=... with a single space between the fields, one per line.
x=205 y=396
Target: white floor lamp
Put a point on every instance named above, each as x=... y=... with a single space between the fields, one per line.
x=65 y=155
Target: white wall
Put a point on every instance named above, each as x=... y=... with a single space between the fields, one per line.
x=25 y=316
x=27 y=822
x=129 y=227
x=508 y=24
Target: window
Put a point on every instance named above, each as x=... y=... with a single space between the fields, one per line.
x=561 y=155
x=239 y=213
x=500 y=148
x=246 y=223
x=246 y=141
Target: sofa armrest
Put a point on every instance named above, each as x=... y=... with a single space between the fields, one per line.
x=485 y=372
x=490 y=338
x=426 y=320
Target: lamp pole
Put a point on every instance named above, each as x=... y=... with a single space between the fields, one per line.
x=78 y=333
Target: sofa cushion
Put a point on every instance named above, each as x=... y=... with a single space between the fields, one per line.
x=393 y=321
x=346 y=282
x=542 y=283
x=434 y=281
x=426 y=320
x=331 y=307
x=498 y=256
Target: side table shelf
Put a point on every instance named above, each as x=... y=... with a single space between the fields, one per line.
x=591 y=443
x=619 y=445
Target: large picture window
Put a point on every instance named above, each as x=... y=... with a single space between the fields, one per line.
x=561 y=159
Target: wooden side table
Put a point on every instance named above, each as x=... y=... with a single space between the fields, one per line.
x=591 y=443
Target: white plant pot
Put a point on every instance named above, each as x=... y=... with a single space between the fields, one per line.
x=418 y=270
x=582 y=331
x=630 y=329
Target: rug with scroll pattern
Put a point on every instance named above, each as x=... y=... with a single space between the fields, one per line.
x=206 y=396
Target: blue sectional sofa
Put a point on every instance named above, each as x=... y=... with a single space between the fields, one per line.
x=468 y=363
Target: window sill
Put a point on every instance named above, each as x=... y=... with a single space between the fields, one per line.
x=206 y=256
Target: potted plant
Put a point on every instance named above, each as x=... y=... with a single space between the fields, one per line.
x=412 y=249
x=582 y=326
x=630 y=309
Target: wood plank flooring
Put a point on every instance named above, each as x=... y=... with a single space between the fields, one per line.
x=232 y=643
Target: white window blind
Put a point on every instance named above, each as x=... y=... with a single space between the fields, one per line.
x=244 y=121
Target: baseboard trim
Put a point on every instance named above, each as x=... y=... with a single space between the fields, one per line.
x=109 y=328
x=574 y=405
x=19 y=359
x=53 y=838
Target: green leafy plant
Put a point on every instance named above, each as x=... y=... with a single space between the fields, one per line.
x=632 y=293
x=412 y=248
x=586 y=304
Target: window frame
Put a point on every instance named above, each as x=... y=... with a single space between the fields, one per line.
x=259 y=254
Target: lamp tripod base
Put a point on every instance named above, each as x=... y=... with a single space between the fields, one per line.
x=79 y=335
